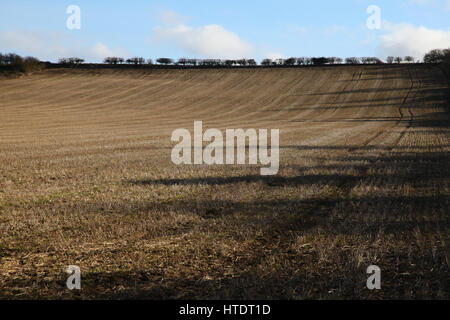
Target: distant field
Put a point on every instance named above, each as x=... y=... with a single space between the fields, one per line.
x=86 y=179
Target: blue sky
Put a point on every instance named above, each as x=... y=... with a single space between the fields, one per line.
x=225 y=29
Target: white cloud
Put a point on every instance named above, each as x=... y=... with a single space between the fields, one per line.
x=407 y=39
x=172 y=18
x=212 y=41
x=52 y=46
x=276 y=55
x=101 y=51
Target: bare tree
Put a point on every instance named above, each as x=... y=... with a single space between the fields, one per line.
x=210 y=62
x=192 y=62
x=11 y=59
x=230 y=63
x=242 y=62
x=331 y=60
x=300 y=61
x=371 y=60
x=398 y=59
x=135 y=60
x=113 y=60
x=434 y=56
x=73 y=61
x=20 y=64
x=266 y=62
x=290 y=62
x=182 y=61
x=319 y=61
x=278 y=62
x=409 y=59
x=164 y=61
x=352 y=60
x=390 y=59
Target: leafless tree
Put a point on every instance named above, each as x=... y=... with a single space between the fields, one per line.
x=317 y=61
x=182 y=61
x=266 y=62
x=290 y=62
x=409 y=59
x=192 y=62
x=300 y=61
x=113 y=60
x=435 y=56
x=73 y=61
x=352 y=60
x=164 y=61
x=11 y=59
x=136 y=60
x=242 y=62
x=230 y=63
x=331 y=60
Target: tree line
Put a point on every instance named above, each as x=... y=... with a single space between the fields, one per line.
x=14 y=62
x=302 y=61
x=434 y=56
x=437 y=56
x=441 y=57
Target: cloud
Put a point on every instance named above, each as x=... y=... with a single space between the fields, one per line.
x=211 y=41
x=172 y=18
x=53 y=45
x=276 y=55
x=406 y=39
x=101 y=51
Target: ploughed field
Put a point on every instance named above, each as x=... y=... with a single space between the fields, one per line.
x=86 y=179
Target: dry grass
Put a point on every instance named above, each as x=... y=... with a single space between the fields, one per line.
x=86 y=179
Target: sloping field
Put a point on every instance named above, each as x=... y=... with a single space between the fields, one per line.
x=86 y=179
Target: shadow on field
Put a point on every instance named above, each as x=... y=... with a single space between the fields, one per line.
x=344 y=281
x=249 y=285
x=295 y=281
x=338 y=212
